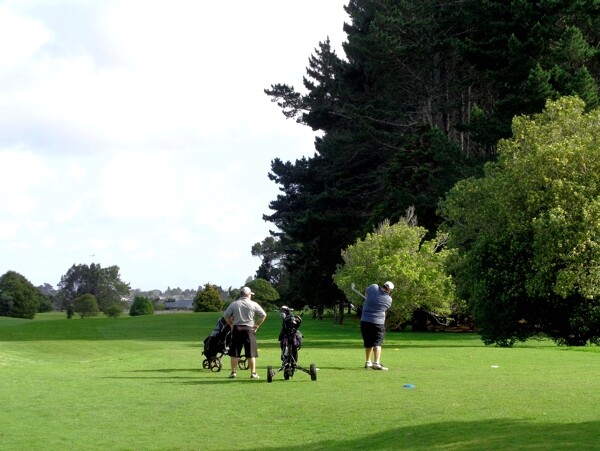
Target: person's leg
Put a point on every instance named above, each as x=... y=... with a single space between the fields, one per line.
x=377 y=354
x=380 y=335
x=234 y=351
x=234 y=364
x=251 y=350
x=367 y=342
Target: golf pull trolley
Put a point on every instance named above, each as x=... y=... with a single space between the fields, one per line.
x=290 y=339
x=216 y=345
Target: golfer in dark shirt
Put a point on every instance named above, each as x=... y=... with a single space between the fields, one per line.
x=372 y=322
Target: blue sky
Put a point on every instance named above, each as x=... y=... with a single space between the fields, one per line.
x=136 y=133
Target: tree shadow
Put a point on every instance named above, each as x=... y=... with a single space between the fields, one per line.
x=494 y=434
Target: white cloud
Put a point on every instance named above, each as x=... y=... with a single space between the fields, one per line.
x=21 y=38
x=137 y=133
x=22 y=171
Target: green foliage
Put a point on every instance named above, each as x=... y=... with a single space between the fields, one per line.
x=86 y=305
x=45 y=303
x=399 y=253
x=264 y=293
x=528 y=231
x=104 y=283
x=402 y=118
x=18 y=297
x=70 y=311
x=524 y=53
x=113 y=311
x=208 y=299
x=141 y=306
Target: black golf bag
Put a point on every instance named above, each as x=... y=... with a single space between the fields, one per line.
x=216 y=345
x=290 y=340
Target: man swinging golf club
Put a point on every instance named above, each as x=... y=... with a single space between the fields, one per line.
x=372 y=322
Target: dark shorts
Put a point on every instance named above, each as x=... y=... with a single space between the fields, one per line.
x=243 y=337
x=372 y=334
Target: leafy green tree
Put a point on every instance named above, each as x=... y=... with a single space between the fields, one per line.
x=113 y=311
x=208 y=299
x=264 y=293
x=399 y=252
x=104 y=283
x=18 y=297
x=46 y=303
x=86 y=305
x=528 y=231
x=47 y=297
x=141 y=306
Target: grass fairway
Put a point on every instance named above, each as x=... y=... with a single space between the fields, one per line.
x=137 y=383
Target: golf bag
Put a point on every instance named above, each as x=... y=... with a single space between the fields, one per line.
x=216 y=345
x=290 y=339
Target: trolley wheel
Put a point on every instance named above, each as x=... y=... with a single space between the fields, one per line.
x=205 y=364
x=287 y=373
x=216 y=365
x=243 y=363
x=269 y=374
x=313 y=372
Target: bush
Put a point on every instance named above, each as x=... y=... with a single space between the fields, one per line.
x=208 y=299
x=113 y=311
x=86 y=305
x=141 y=306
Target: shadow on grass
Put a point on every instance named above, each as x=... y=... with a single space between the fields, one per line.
x=493 y=434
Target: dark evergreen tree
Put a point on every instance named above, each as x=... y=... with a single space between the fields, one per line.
x=425 y=91
x=373 y=111
x=525 y=52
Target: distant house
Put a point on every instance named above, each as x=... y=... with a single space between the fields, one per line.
x=183 y=304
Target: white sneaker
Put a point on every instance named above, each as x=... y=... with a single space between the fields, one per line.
x=254 y=376
x=368 y=365
x=379 y=366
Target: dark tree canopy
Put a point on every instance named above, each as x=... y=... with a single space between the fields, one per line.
x=419 y=101
x=18 y=297
x=104 y=284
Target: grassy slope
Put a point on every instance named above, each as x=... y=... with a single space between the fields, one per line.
x=137 y=384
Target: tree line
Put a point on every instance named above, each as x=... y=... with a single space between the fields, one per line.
x=420 y=101
x=91 y=289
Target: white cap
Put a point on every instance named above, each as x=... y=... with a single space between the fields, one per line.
x=389 y=285
x=247 y=291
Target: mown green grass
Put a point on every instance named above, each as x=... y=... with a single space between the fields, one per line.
x=137 y=383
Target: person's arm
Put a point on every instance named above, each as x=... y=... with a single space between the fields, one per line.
x=228 y=317
x=262 y=315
